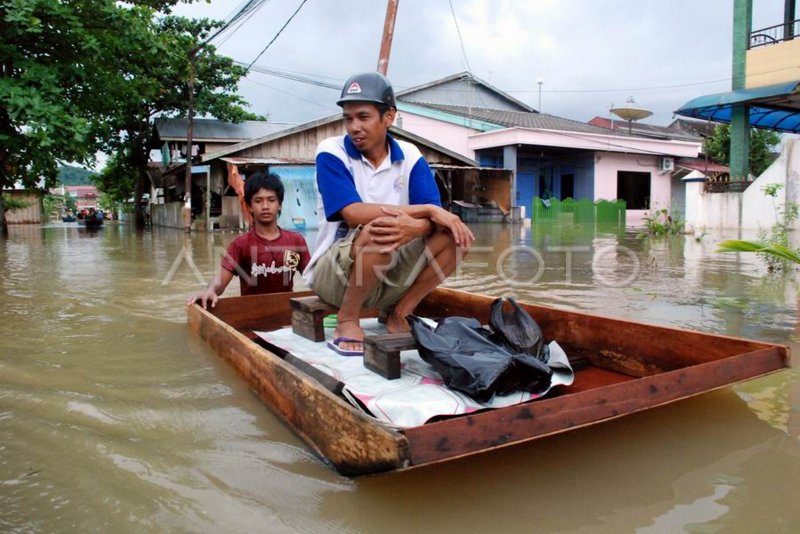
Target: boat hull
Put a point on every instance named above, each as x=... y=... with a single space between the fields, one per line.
x=622 y=367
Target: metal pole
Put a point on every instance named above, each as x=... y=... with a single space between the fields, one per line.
x=208 y=201
x=388 y=33
x=540 y=82
x=788 y=19
x=187 y=206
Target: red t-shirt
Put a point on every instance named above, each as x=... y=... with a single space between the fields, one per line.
x=265 y=266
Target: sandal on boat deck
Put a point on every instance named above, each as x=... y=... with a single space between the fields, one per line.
x=334 y=346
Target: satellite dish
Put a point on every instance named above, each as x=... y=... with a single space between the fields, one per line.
x=630 y=112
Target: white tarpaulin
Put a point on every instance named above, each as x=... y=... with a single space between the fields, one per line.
x=415 y=397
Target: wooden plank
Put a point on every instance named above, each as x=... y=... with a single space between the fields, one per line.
x=354 y=443
x=491 y=429
x=327 y=381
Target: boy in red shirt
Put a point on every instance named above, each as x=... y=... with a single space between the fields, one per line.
x=266 y=257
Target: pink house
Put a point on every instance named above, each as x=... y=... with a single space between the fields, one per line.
x=85 y=195
x=551 y=156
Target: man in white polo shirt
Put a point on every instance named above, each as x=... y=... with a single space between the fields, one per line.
x=384 y=240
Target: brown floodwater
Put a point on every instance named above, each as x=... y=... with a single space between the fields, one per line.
x=114 y=418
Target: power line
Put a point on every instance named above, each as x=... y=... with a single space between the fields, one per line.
x=234 y=21
x=292 y=76
x=296 y=11
x=293 y=95
x=239 y=23
x=460 y=40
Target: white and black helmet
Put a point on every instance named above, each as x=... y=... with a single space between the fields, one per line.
x=368 y=87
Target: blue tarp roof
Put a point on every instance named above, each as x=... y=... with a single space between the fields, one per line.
x=773 y=107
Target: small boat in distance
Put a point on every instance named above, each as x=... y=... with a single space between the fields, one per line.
x=621 y=367
x=90 y=222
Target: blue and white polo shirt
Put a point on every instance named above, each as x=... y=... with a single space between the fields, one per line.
x=344 y=177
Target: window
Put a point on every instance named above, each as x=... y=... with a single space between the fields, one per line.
x=634 y=189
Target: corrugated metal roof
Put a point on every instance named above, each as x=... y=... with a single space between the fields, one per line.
x=772 y=107
x=216 y=130
x=698 y=164
x=509 y=119
x=462 y=87
x=267 y=161
x=646 y=130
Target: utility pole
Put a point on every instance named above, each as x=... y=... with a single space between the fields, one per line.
x=187 y=206
x=388 y=33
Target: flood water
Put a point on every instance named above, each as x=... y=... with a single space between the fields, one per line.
x=113 y=418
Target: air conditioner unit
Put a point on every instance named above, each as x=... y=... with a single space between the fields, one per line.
x=666 y=164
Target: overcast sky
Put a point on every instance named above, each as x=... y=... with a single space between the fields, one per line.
x=589 y=53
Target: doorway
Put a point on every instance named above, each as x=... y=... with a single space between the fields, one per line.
x=567 y=186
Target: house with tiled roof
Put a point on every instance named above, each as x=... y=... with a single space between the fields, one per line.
x=550 y=156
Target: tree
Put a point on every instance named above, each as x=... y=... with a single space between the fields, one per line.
x=59 y=74
x=162 y=90
x=78 y=76
x=71 y=175
x=718 y=147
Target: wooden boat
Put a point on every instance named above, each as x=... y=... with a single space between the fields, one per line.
x=621 y=367
x=90 y=222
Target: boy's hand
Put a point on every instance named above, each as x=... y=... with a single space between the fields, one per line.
x=209 y=296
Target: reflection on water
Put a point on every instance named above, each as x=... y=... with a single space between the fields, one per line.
x=114 y=418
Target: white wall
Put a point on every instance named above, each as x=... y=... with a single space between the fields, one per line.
x=722 y=210
x=759 y=209
x=451 y=136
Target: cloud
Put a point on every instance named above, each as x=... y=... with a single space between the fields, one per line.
x=588 y=53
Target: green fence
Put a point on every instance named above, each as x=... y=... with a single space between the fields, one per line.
x=584 y=211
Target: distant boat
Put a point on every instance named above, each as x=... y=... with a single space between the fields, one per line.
x=299 y=223
x=90 y=222
x=68 y=218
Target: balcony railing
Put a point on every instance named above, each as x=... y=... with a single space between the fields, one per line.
x=775 y=34
x=726 y=186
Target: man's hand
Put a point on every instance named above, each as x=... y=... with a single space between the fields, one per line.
x=462 y=235
x=395 y=229
x=208 y=296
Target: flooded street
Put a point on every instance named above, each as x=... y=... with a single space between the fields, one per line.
x=113 y=418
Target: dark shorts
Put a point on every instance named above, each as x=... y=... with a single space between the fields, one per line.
x=332 y=273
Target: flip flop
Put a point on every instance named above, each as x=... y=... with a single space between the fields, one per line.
x=334 y=346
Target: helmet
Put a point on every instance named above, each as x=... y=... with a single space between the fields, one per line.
x=368 y=87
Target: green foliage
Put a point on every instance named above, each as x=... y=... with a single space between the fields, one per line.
x=718 y=147
x=778 y=234
x=56 y=204
x=117 y=180
x=778 y=251
x=12 y=204
x=661 y=223
x=773 y=243
x=71 y=175
x=772 y=190
x=80 y=76
x=162 y=88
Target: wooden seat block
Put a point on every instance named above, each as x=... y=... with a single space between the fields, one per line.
x=311 y=305
x=307 y=316
x=382 y=353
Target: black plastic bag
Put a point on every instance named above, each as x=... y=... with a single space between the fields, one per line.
x=517 y=330
x=472 y=360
